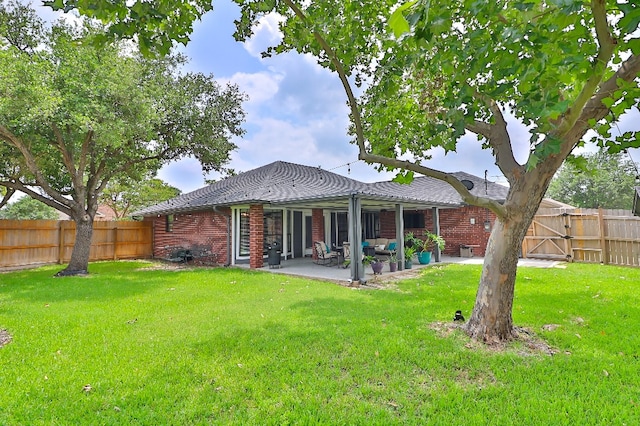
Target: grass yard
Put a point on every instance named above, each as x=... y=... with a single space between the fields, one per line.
x=224 y=346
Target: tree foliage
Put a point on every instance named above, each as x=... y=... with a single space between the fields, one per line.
x=604 y=180
x=126 y=196
x=437 y=70
x=27 y=208
x=76 y=114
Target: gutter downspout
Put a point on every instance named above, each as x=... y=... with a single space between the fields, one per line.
x=228 y=216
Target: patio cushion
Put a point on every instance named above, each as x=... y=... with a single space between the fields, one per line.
x=392 y=246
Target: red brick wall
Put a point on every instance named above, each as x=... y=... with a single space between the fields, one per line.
x=388 y=224
x=201 y=228
x=317 y=226
x=256 y=236
x=455 y=228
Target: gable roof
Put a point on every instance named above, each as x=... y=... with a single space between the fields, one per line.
x=288 y=183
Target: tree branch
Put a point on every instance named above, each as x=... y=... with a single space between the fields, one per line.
x=595 y=109
x=351 y=99
x=67 y=157
x=605 y=52
x=17 y=185
x=467 y=197
x=84 y=152
x=498 y=138
x=7 y=197
x=480 y=128
x=30 y=161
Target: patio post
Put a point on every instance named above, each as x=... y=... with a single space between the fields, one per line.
x=436 y=230
x=355 y=237
x=400 y=235
x=256 y=236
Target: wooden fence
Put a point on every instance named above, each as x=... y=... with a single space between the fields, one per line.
x=584 y=235
x=34 y=242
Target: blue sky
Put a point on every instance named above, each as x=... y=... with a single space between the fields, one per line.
x=297 y=110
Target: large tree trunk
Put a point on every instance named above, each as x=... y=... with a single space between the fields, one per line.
x=491 y=319
x=79 y=263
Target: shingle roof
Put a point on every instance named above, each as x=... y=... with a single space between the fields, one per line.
x=282 y=182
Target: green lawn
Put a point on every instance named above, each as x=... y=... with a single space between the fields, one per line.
x=225 y=346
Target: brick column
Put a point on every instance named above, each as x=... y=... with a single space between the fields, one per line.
x=256 y=236
x=317 y=227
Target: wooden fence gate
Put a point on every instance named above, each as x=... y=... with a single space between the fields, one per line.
x=584 y=235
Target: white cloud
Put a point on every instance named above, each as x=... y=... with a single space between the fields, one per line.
x=260 y=86
x=265 y=34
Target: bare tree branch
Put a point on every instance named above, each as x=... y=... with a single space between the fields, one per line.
x=17 y=185
x=499 y=139
x=7 y=197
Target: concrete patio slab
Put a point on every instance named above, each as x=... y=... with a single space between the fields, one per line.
x=304 y=267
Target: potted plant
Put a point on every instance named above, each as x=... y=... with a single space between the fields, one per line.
x=427 y=245
x=408 y=256
x=393 y=262
x=376 y=264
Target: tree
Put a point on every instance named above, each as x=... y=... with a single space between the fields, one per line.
x=125 y=197
x=605 y=180
x=76 y=114
x=27 y=208
x=439 y=69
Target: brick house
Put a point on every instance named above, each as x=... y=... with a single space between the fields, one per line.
x=296 y=205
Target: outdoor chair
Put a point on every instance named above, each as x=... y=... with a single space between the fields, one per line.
x=323 y=255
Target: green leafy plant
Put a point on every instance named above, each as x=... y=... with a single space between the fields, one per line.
x=368 y=260
x=409 y=252
x=431 y=241
x=393 y=257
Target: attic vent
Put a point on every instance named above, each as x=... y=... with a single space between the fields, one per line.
x=467 y=184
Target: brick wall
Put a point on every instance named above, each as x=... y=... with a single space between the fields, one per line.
x=317 y=227
x=256 y=236
x=388 y=224
x=198 y=228
x=455 y=228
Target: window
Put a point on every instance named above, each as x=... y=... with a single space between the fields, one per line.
x=413 y=219
x=169 y=223
x=244 y=233
x=272 y=221
x=370 y=225
x=273 y=227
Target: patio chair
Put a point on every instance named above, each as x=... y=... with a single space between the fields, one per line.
x=346 y=250
x=323 y=255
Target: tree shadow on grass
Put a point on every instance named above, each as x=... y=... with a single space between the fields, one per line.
x=106 y=280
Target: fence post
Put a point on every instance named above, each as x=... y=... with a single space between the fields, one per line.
x=60 y=242
x=115 y=242
x=603 y=237
x=568 y=247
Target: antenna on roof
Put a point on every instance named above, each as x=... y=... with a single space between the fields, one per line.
x=486 y=183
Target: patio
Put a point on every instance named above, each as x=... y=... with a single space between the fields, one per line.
x=304 y=267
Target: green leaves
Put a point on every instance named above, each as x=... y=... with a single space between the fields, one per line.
x=79 y=114
x=397 y=21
